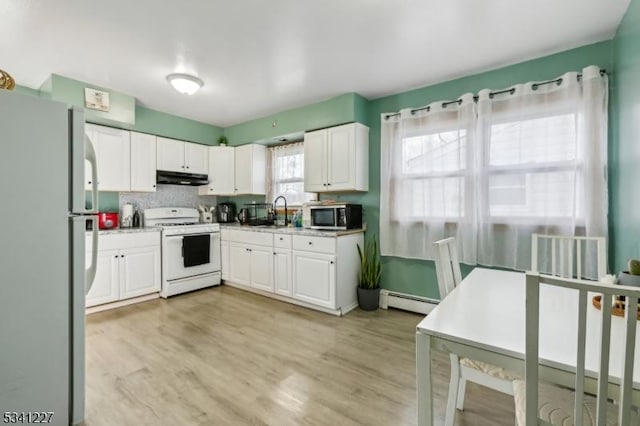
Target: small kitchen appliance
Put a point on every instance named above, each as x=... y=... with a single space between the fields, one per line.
x=335 y=216
x=108 y=220
x=226 y=212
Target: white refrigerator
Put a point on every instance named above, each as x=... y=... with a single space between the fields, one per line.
x=43 y=276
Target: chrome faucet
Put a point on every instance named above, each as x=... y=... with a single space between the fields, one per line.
x=286 y=221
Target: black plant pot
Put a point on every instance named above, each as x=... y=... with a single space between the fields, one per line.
x=368 y=298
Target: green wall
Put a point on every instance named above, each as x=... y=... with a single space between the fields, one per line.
x=415 y=276
x=293 y=123
x=624 y=216
x=123 y=111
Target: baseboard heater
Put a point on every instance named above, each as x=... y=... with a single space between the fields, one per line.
x=407 y=302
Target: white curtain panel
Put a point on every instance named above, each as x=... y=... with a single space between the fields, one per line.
x=426 y=180
x=285 y=174
x=530 y=158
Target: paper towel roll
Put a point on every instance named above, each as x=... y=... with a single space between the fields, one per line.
x=126 y=218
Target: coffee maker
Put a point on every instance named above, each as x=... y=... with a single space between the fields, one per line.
x=226 y=212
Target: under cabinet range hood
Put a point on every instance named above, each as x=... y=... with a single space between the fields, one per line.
x=178 y=178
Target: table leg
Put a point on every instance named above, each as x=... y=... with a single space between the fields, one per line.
x=424 y=394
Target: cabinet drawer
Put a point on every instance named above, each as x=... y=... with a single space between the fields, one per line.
x=126 y=240
x=314 y=244
x=249 y=237
x=282 y=241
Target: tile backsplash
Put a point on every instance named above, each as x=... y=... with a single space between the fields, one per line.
x=167 y=196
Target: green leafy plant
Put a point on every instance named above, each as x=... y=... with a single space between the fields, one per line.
x=370 y=267
x=223 y=141
x=634 y=266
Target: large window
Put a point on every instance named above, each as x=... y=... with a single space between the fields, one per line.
x=285 y=174
x=492 y=169
x=433 y=175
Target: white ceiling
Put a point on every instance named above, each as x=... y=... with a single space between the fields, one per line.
x=259 y=57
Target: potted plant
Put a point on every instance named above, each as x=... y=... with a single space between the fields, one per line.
x=369 y=276
x=223 y=141
x=632 y=275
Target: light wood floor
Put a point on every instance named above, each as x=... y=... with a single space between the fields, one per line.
x=223 y=356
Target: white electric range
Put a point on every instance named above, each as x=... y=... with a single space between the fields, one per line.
x=190 y=250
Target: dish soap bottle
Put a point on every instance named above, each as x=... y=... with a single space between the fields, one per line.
x=136 y=219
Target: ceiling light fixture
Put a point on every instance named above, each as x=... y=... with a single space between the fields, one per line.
x=185 y=83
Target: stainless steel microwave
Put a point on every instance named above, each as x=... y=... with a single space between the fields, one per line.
x=335 y=216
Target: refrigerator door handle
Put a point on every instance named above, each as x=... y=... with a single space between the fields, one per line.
x=90 y=272
x=90 y=156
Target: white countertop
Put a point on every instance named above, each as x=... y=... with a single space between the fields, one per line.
x=292 y=230
x=127 y=230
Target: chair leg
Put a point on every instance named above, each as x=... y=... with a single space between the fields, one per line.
x=453 y=390
x=462 y=387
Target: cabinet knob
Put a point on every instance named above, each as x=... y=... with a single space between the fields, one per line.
x=331 y=262
x=274 y=253
x=116 y=256
x=153 y=186
x=187 y=167
x=89 y=182
x=310 y=243
x=281 y=238
x=328 y=184
x=122 y=255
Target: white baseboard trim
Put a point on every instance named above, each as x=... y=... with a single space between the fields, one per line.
x=407 y=302
x=119 y=303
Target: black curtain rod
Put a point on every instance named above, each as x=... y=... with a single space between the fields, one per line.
x=511 y=91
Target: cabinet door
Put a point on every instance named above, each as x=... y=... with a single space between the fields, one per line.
x=113 y=158
x=170 y=155
x=139 y=271
x=224 y=258
x=243 y=169
x=196 y=158
x=105 y=285
x=239 y=264
x=315 y=159
x=143 y=162
x=314 y=278
x=262 y=268
x=221 y=171
x=282 y=272
x=341 y=158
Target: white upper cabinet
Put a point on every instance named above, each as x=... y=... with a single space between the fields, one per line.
x=221 y=171
x=250 y=169
x=112 y=147
x=196 y=158
x=236 y=170
x=143 y=162
x=337 y=159
x=178 y=156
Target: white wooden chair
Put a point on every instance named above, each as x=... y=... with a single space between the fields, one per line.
x=545 y=403
x=566 y=255
x=464 y=369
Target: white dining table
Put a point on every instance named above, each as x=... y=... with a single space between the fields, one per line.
x=483 y=318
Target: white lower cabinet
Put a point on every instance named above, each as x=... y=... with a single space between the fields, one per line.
x=224 y=259
x=251 y=259
x=314 y=278
x=315 y=271
x=128 y=266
